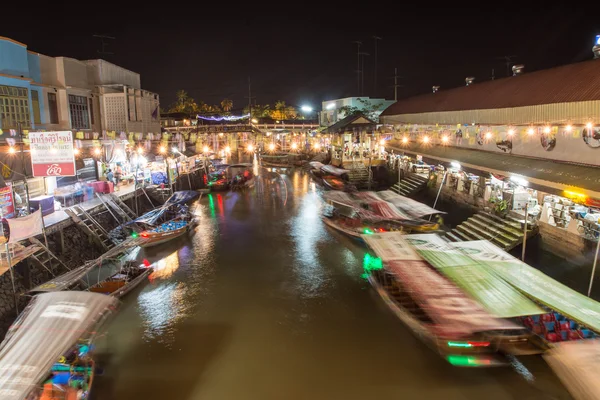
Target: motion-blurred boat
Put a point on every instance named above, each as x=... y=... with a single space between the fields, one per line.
x=122 y=282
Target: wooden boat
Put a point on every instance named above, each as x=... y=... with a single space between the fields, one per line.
x=47 y=351
x=352 y=232
x=434 y=308
x=335 y=183
x=168 y=231
x=121 y=283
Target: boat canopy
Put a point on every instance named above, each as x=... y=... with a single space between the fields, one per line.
x=576 y=363
x=64 y=281
x=178 y=198
x=409 y=206
x=316 y=164
x=453 y=313
x=491 y=291
x=387 y=210
x=534 y=283
x=50 y=325
x=331 y=170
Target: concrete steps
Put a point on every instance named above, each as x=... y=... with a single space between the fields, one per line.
x=410 y=185
x=505 y=233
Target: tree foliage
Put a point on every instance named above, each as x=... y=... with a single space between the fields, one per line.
x=367 y=108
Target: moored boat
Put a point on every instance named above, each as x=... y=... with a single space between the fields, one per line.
x=122 y=282
x=46 y=353
x=436 y=310
x=165 y=232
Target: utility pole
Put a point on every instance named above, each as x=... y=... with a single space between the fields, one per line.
x=395 y=85
x=376 y=38
x=249 y=97
x=358 y=44
x=362 y=73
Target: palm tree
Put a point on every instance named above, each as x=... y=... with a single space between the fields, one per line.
x=226 y=105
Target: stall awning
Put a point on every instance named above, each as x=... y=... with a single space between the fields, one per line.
x=541 y=173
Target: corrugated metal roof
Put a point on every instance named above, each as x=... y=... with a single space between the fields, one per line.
x=564 y=84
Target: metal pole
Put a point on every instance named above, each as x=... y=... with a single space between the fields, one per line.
x=9 y=262
x=525 y=230
x=594 y=268
x=23 y=167
x=439 y=190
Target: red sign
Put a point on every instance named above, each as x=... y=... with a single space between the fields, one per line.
x=52 y=153
x=6 y=201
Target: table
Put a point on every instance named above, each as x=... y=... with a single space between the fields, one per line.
x=46 y=203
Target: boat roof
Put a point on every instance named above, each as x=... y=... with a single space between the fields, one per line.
x=432 y=291
x=330 y=169
x=50 y=325
x=576 y=363
x=534 y=283
x=409 y=206
x=491 y=291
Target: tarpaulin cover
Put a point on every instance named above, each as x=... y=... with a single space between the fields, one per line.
x=452 y=311
x=492 y=292
x=577 y=363
x=387 y=210
x=316 y=164
x=181 y=197
x=25 y=227
x=534 y=283
x=341 y=197
x=409 y=206
x=159 y=177
x=330 y=169
x=367 y=196
x=50 y=325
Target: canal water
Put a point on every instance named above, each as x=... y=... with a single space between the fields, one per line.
x=264 y=302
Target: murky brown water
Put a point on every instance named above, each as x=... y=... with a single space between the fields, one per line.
x=263 y=302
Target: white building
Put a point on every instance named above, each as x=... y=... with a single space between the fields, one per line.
x=331 y=108
x=62 y=93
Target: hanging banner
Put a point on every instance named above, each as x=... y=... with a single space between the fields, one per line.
x=25 y=227
x=6 y=201
x=52 y=153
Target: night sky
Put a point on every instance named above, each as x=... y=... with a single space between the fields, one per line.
x=304 y=54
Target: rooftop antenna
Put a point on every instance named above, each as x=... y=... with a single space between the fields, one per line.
x=493 y=74
x=362 y=72
x=376 y=38
x=358 y=44
x=508 y=61
x=103 y=43
x=395 y=85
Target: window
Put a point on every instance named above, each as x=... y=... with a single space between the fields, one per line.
x=78 y=107
x=14 y=107
x=35 y=103
x=92 y=110
x=53 y=107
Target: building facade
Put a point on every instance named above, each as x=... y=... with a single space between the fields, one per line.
x=38 y=92
x=333 y=109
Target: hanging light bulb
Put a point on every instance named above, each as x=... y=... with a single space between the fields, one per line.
x=227 y=149
x=162 y=149
x=569 y=128
x=589 y=125
x=11 y=150
x=425 y=139
x=382 y=142
x=272 y=146
x=488 y=135
x=205 y=149
x=250 y=148
x=405 y=140
x=140 y=150
x=76 y=151
x=97 y=151
x=530 y=131
x=546 y=129
x=294 y=146
x=317 y=146
x=444 y=139
x=511 y=132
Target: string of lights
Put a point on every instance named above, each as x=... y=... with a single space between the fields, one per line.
x=225 y=118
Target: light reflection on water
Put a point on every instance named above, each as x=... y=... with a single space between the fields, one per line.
x=160 y=308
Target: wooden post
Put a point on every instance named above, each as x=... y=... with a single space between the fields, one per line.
x=525 y=231
x=594 y=268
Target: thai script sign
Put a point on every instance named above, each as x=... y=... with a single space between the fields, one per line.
x=52 y=153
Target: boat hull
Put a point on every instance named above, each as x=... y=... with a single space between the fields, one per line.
x=350 y=233
x=155 y=239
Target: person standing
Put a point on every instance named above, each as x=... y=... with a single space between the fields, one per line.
x=110 y=176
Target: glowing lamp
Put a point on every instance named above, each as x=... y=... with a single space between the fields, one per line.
x=488 y=135
x=140 y=150
x=254 y=121
x=11 y=150
x=404 y=140
x=306 y=109
x=511 y=132
x=569 y=128
x=227 y=149
x=162 y=149
x=382 y=142
x=444 y=139
x=205 y=149
x=547 y=129
x=144 y=234
x=97 y=151
x=294 y=146
x=426 y=139
x=317 y=146
x=530 y=131
x=589 y=125
x=250 y=148
x=76 y=151
x=272 y=146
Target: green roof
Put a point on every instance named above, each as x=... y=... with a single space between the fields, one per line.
x=491 y=291
x=534 y=283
